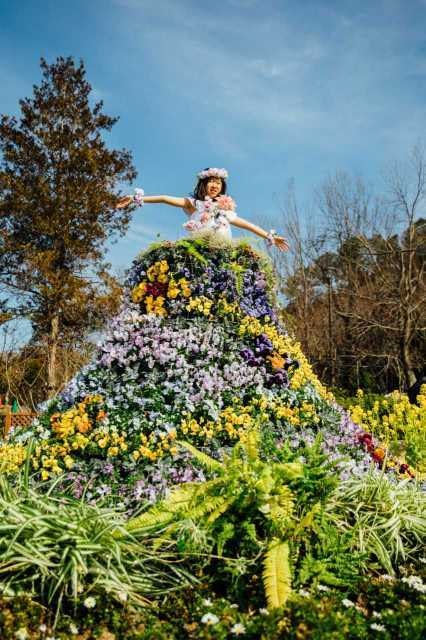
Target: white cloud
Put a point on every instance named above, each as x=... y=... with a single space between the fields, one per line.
x=283 y=83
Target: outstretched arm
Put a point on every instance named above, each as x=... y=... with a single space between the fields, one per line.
x=278 y=241
x=183 y=203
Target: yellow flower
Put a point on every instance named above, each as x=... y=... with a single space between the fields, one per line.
x=139 y=291
x=173 y=290
x=183 y=284
x=12 y=457
x=113 y=451
x=68 y=462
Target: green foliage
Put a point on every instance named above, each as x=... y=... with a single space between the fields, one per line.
x=375 y=608
x=61 y=548
x=248 y=509
x=57 y=208
x=276 y=573
x=387 y=518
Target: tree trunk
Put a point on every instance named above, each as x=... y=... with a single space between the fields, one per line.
x=331 y=349
x=52 y=355
x=409 y=374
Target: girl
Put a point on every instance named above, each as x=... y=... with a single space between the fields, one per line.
x=210 y=210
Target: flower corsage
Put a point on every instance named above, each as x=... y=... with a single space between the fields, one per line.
x=271 y=237
x=138 y=197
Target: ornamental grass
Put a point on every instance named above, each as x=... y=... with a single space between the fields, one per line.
x=63 y=550
x=388 y=517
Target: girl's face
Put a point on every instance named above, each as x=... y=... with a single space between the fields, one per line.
x=213 y=187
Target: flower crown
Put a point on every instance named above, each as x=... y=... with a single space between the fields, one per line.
x=213 y=172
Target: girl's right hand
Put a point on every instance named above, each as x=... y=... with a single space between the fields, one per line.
x=124 y=202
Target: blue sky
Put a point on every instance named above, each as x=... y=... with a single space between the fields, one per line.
x=269 y=89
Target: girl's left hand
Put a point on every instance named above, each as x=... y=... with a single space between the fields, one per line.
x=281 y=243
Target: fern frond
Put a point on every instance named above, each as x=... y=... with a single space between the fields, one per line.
x=308 y=519
x=206 y=506
x=280 y=515
x=226 y=534
x=164 y=512
x=155 y=517
x=192 y=251
x=276 y=573
x=220 y=509
x=251 y=445
x=206 y=461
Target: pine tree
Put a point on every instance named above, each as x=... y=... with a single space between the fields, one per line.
x=57 y=207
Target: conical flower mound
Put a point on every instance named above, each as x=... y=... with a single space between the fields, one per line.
x=197 y=353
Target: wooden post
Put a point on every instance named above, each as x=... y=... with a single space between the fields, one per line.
x=6 y=411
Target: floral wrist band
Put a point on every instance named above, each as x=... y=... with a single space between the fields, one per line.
x=270 y=237
x=138 y=197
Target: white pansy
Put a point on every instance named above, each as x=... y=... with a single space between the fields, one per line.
x=209 y=619
x=347 y=603
x=43 y=628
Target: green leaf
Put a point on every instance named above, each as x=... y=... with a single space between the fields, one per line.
x=276 y=573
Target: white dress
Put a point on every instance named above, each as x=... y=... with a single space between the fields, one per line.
x=211 y=217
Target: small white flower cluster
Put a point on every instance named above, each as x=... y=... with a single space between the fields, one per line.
x=415 y=582
x=90 y=602
x=211 y=619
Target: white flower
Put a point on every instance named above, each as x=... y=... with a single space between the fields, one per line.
x=264 y=612
x=122 y=596
x=376 y=614
x=207 y=602
x=304 y=593
x=377 y=627
x=21 y=634
x=347 y=603
x=387 y=577
x=43 y=628
x=238 y=629
x=233 y=606
x=73 y=629
x=323 y=587
x=90 y=602
x=415 y=582
x=209 y=618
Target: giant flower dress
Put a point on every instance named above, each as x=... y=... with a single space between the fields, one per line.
x=197 y=353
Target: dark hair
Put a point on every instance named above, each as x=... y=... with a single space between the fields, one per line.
x=200 y=187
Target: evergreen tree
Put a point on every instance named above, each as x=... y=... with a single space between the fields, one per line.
x=57 y=207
